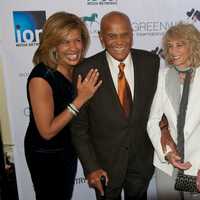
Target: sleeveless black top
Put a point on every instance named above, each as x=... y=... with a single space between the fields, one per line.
x=63 y=94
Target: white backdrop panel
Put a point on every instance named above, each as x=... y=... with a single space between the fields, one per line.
x=150 y=19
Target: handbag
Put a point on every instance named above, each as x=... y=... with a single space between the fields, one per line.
x=186 y=183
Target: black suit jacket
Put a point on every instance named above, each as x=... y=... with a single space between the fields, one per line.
x=102 y=136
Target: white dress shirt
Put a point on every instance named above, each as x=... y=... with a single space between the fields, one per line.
x=128 y=71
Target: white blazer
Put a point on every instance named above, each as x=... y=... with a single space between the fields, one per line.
x=162 y=104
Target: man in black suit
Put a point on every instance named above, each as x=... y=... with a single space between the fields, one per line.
x=109 y=142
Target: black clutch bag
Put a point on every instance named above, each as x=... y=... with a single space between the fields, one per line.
x=186 y=183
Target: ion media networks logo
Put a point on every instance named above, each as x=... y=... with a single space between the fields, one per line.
x=102 y=2
x=28 y=26
x=92 y=23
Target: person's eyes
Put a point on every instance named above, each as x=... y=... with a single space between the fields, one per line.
x=125 y=35
x=79 y=40
x=111 y=36
x=180 y=45
x=65 y=42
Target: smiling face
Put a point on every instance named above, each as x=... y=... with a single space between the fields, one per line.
x=116 y=36
x=70 y=50
x=179 y=52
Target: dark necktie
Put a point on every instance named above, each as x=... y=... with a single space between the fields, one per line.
x=124 y=92
x=182 y=114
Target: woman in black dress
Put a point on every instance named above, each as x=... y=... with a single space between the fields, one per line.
x=50 y=155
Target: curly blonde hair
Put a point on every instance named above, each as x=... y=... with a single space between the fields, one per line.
x=56 y=27
x=187 y=33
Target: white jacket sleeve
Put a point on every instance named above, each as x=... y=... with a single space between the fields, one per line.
x=157 y=110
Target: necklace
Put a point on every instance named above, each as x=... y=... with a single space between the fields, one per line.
x=183 y=70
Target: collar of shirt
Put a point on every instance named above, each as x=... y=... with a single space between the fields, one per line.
x=114 y=70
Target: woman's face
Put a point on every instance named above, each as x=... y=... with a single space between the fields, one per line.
x=70 y=51
x=179 y=52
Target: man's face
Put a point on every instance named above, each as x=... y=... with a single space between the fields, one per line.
x=116 y=36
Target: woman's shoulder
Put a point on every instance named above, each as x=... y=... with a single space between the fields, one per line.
x=163 y=70
x=162 y=75
x=42 y=71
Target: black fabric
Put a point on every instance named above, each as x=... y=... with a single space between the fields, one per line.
x=52 y=174
x=52 y=163
x=63 y=94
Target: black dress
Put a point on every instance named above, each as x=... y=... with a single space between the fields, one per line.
x=52 y=163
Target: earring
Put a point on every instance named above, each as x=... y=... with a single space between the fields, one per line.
x=54 y=54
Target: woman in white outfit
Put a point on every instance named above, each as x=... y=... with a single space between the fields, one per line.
x=181 y=45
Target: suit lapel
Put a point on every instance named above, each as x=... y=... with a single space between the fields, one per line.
x=192 y=114
x=138 y=90
x=193 y=104
x=173 y=89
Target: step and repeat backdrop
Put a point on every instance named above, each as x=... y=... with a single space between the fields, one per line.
x=21 y=24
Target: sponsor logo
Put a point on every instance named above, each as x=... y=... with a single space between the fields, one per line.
x=24 y=74
x=80 y=180
x=158 y=51
x=193 y=15
x=28 y=27
x=151 y=28
x=91 y=19
x=102 y=2
x=92 y=23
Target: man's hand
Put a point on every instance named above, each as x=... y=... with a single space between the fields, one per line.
x=166 y=139
x=174 y=159
x=94 y=180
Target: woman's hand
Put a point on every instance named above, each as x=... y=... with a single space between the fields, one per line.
x=174 y=159
x=87 y=87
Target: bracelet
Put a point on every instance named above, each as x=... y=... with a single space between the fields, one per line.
x=71 y=110
x=74 y=108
